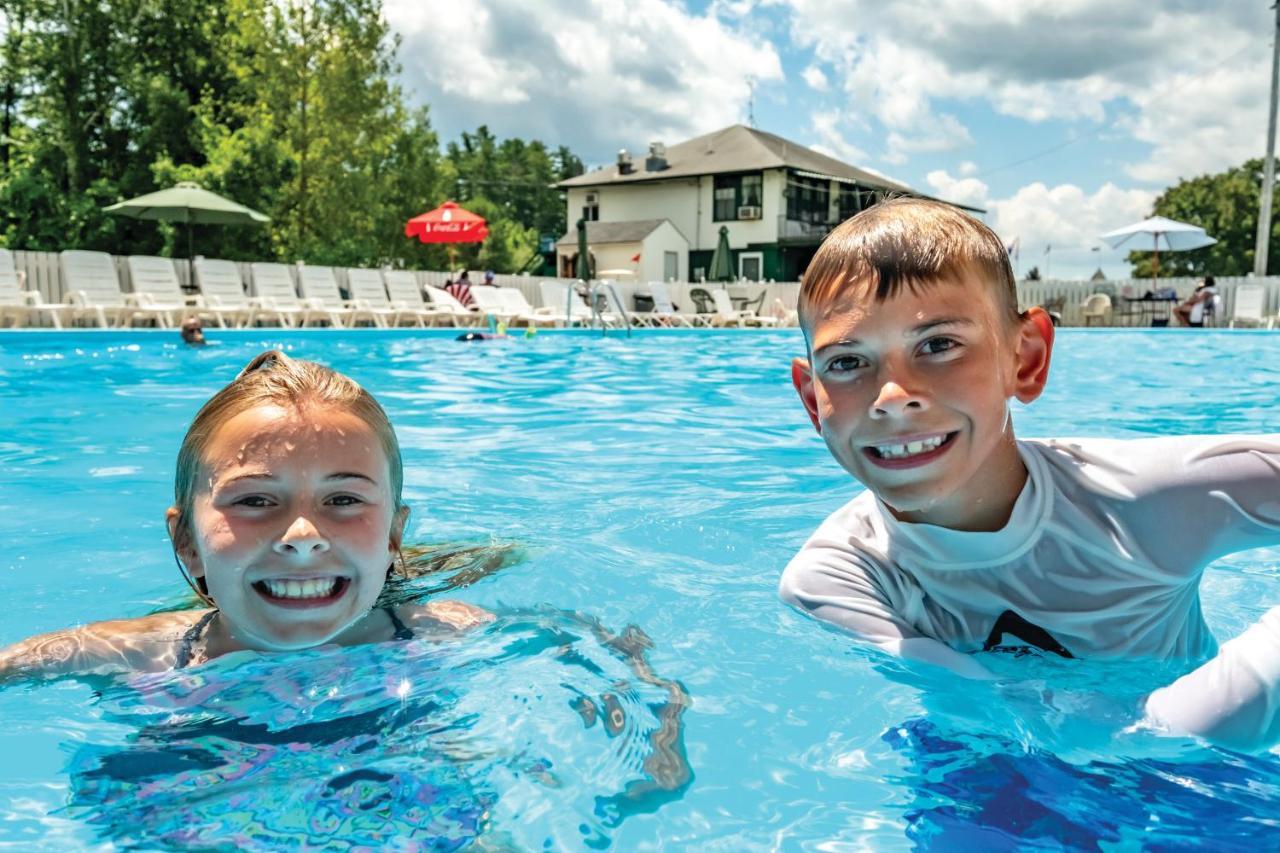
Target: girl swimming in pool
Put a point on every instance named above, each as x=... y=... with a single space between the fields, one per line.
x=287 y=522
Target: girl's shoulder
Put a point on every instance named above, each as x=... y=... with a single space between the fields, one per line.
x=145 y=643
x=443 y=615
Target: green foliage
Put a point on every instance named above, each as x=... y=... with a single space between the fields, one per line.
x=288 y=106
x=1226 y=206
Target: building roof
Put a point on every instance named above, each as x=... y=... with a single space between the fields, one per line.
x=739 y=148
x=613 y=232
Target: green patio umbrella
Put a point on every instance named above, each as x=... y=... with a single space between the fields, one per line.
x=722 y=259
x=188 y=203
x=584 y=254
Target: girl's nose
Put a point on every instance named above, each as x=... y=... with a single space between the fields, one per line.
x=895 y=401
x=302 y=538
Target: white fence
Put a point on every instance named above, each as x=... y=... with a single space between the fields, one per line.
x=44 y=274
x=1074 y=293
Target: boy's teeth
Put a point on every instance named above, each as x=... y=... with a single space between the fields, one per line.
x=310 y=588
x=911 y=448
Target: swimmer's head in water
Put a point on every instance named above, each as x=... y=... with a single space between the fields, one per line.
x=287 y=502
x=192 y=331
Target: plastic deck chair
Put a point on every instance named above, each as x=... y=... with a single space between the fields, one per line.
x=272 y=289
x=222 y=295
x=1097 y=307
x=443 y=299
x=727 y=315
x=405 y=295
x=155 y=286
x=93 y=290
x=664 y=310
x=1248 y=306
x=368 y=293
x=18 y=306
x=320 y=295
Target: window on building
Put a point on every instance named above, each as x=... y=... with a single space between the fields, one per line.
x=591 y=207
x=853 y=200
x=808 y=200
x=735 y=191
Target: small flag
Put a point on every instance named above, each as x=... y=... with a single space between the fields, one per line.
x=635 y=259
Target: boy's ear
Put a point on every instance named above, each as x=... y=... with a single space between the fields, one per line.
x=802 y=378
x=180 y=536
x=1035 y=347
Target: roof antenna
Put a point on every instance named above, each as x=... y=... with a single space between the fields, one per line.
x=751 y=102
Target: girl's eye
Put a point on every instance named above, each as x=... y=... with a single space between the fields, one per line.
x=254 y=501
x=936 y=346
x=345 y=500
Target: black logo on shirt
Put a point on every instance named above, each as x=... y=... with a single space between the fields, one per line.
x=1013 y=624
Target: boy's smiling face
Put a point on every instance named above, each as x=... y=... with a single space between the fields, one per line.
x=911 y=395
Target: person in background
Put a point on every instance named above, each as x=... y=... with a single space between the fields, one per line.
x=490 y=279
x=192 y=332
x=460 y=289
x=1192 y=311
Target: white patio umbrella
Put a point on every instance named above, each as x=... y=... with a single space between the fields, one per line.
x=1164 y=234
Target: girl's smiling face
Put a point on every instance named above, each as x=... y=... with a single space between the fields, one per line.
x=294 y=524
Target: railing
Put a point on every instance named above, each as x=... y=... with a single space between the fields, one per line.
x=793 y=229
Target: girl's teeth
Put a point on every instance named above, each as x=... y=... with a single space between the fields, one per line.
x=310 y=588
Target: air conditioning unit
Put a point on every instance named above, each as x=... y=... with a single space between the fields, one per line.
x=750 y=211
x=593 y=198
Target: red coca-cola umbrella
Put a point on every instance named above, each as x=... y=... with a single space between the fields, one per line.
x=448 y=223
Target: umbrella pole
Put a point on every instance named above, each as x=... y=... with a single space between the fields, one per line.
x=451 y=261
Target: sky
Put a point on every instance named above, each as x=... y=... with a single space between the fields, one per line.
x=1062 y=119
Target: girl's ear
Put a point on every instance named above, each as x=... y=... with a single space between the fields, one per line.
x=180 y=536
x=1035 y=346
x=398 y=522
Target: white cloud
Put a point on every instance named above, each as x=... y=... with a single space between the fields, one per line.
x=831 y=141
x=1188 y=78
x=1065 y=217
x=968 y=167
x=620 y=72
x=815 y=78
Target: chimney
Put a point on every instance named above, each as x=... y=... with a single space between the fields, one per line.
x=625 y=166
x=657 y=159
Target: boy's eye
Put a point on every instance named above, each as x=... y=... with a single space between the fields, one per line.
x=346 y=500
x=254 y=501
x=934 y=346
x=844 y=363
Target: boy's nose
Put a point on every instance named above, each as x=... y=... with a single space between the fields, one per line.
x=302 y=538
x=895 y=401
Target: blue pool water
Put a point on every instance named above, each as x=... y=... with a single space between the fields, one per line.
x=642 y=687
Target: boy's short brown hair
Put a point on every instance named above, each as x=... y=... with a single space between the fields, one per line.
x=906 y=242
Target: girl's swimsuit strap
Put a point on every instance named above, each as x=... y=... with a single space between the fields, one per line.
x=403 y=632
x=189 y=639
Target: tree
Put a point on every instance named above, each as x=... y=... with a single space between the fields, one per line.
x=1033 y=274
x=1226 y=206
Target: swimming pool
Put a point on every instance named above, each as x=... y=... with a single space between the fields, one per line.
x=659 y=482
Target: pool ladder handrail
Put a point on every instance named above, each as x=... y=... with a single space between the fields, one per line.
x=593 y=287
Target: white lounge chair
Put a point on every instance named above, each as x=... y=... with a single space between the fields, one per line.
x=1097 y=307
x=462 y=315
x=93 y=291
x=272 y=289
x=405 y=295
x=1248 y=308
x=557 y=296
x=320 y=293
x=493 y=302
x=727 y=315
x=664 y=310
x=784 y=315
x=222 y=295
x=368 y=293
x=17 y=305
x=155 y=286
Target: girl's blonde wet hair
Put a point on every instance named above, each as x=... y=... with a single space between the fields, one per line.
x=274 y=379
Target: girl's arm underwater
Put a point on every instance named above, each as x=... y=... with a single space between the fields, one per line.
x=146 y=644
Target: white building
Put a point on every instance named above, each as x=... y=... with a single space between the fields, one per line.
x=777 y=198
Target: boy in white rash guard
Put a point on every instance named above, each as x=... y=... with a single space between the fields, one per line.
x=968 y=539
